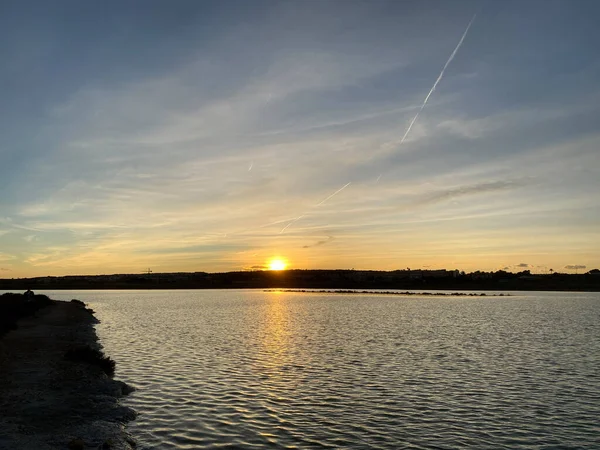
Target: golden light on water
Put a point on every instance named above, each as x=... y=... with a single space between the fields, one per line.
x=277 y=264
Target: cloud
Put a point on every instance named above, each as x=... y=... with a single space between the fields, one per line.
x=4 y=269
x=319 y=243
x=523 y=265
x=194 y=249
x=473 y=189
x=259 y=267
x=7 y=257
x=575 y=266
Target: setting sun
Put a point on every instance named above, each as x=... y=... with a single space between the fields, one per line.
x=277 y=264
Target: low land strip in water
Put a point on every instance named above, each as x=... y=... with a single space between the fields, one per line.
x=351 y=291
x=56 y=386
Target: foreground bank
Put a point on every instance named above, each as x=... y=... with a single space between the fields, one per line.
x=56 y=388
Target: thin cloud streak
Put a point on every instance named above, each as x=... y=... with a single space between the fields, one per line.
x=319 y=243
x=477 y=188
x=575 y=266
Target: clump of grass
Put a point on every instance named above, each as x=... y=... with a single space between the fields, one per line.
x=82 y=305
x=95 y=357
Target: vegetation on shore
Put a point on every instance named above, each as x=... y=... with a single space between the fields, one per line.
x=92 y=356
x=17 y=306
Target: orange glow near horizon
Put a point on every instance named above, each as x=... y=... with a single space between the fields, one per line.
x=277 y=264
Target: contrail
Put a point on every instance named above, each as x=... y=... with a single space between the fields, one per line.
x=439 y=78
x=318 y=204
x=277 y=222
x=335 y=193
x=289 y=224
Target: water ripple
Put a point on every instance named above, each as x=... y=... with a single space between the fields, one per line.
x=255 y=370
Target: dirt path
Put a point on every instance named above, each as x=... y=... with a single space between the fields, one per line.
x=48 y=402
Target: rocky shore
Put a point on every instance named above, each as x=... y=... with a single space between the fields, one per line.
x=56 y=388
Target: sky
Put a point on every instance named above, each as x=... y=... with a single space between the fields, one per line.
x=215 y=136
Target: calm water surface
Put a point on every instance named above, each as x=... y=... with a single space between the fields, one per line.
x=249 y=369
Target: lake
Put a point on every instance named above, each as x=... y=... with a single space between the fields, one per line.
x=243 y=369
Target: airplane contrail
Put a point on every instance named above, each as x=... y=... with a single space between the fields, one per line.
x=318 y=204
x=335 y=193
x=277 y=222
x=439 y=78
x=289 y=224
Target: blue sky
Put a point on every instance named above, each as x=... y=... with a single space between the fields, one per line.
x=205 y=136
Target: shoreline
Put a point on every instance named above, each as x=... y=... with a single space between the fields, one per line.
x=50 y=396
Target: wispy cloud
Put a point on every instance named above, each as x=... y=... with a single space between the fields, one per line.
x=473 y=189
x=319 y=243
x=6 y=257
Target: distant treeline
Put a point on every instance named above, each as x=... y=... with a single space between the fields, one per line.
x=320 y=279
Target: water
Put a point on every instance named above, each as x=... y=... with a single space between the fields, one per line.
x=249 y=369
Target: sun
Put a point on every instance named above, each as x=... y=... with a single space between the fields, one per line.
x=277 y=264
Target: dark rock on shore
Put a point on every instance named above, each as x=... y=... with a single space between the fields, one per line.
x=49 y=401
